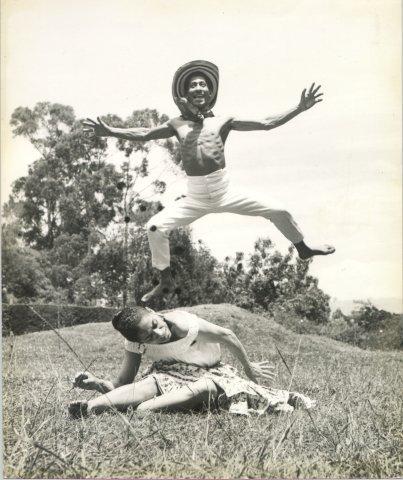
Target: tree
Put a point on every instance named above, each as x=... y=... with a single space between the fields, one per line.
x=23 y=270
x=69 y=188
x=367 y=316
x=270 y=280
x=134 y=169
x=195 y=269
x=72 y=197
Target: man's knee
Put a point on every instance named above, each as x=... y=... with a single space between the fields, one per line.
x=153 y=226
x=282 y=212
x=278 y=214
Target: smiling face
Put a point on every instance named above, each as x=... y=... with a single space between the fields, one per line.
x=153 y=329
x=198 y=92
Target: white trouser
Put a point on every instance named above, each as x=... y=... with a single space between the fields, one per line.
x=210 y=194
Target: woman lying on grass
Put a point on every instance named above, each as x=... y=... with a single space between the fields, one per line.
x=186 y=374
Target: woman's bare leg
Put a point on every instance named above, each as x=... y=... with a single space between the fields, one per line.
x=122 y=397
x=204 y=391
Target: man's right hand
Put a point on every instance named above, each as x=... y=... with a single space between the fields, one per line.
x=86 y=381
x=99 y=128
x=185 y=106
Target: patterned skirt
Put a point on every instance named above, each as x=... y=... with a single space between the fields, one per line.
x=236 y=394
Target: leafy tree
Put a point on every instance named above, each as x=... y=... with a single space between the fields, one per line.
x=270 y=280
x=134 y=169
x=84 y=224
x=69 y=187
x=195 y=269
x=339 y=315
x=71 y=197
x=367 y=316
x=23 y=270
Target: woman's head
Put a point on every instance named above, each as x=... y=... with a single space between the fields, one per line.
x=138 y=324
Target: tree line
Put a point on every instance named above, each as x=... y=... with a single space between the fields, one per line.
x=74 y=229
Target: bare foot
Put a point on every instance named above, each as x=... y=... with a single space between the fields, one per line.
x=160 y=289
x=305 y=252
x=165 y=286
x=297 y=400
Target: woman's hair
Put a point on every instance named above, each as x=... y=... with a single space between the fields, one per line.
x=127 y=322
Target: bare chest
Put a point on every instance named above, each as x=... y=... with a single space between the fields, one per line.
x=205 y=134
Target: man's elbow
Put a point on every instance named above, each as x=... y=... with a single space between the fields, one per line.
x=268 y=124
x=138 y=134
x=145 y=136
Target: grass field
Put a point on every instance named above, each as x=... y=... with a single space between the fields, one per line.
x=355 y=431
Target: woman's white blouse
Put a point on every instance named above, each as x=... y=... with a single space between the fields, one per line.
x=187 y=349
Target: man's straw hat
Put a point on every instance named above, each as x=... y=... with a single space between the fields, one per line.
x=202 y=67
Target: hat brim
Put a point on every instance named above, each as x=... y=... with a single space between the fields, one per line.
x=202 y=67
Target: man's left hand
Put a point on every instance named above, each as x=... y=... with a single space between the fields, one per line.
x=309 y=99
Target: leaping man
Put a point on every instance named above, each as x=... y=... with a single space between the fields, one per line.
x=202 y=137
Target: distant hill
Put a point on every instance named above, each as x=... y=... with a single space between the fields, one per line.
x=390 y=304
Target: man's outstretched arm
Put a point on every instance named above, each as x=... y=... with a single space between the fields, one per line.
x=101 y=129
x=308 y=100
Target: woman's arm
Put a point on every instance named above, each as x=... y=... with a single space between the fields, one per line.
x=128 y=371
x=216 y=334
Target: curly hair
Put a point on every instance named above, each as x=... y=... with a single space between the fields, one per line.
x=127 y=322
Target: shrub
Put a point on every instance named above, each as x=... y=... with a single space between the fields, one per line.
x=20 y=319
x=387 y=336
x=368 y=316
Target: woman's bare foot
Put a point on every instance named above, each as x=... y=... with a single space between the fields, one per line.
x=165 y=286
x=306 y=252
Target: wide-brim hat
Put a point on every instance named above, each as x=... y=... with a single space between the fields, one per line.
x=202 y=67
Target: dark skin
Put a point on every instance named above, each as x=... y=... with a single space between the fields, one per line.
x=154 y=328
x=202 y=145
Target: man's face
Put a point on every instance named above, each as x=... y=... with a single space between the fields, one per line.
x=198 y=91
x=154 y=329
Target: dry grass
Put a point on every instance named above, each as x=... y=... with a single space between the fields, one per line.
x=354 y=432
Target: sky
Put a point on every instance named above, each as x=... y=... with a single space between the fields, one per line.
x=336 y=167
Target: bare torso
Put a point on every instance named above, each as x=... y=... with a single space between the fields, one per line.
x=202 y=144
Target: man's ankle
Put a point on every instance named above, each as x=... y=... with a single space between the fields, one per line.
x=301 y=246
x=166 y=276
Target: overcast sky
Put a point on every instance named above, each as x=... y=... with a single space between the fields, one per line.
x=336 y=167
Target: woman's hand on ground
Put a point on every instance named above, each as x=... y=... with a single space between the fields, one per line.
x=261 y=370
x=86 y=381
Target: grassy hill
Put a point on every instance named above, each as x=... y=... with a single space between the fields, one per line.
x=354 y=432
